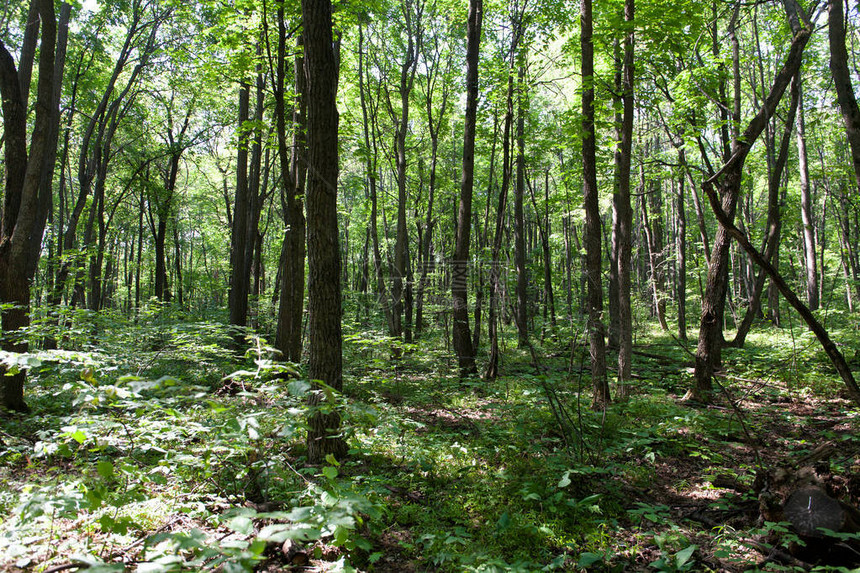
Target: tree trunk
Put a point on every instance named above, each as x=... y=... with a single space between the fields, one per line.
x=325 y=365
x=25 y=172
x=291 y=304
x=710 y=330
x=239 y=281
x=591 y=236
x=842 y=81
x=622 y=210
x=522 y=313
x=459 y=268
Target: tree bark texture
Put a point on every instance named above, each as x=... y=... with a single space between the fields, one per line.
x=325 y=365
x=25 y=171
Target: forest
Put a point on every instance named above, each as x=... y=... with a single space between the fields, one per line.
x=429 y=285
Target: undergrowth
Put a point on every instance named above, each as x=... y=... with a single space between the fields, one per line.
x=154 y=447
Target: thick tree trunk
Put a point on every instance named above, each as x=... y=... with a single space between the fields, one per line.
x=842 y=81
x=25 y=172
x=460 y=270
x=325 y=364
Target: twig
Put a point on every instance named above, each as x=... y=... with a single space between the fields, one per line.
x=66 y=567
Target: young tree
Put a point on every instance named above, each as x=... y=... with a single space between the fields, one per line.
x=325 y=364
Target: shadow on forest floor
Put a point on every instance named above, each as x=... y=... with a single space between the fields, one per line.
x=132 y=460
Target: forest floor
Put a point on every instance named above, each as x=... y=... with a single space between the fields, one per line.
x=154 y=448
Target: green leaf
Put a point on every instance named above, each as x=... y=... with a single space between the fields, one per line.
x=105 y=469
x=241 y=524
x=684 y=555
x=565 y=480
x=329 y=472
x=504 y=522
x=588 y=559
x=331 y=460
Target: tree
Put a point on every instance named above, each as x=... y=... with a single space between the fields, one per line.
x=459 y=266
x=591 y=235
x=622 y=213
x=26 y=169
x=729 y=180
x=325 y=365
x=293 y=173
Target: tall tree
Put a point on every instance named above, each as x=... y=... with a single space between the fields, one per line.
x=325 y=365
x=591 y=235
x=622 y=211
x=728 y=179
x=842 y=81
x=460 y=270
x=26 y=168
x=806 y=215
x=401 y=289
x=522 y=316
x=239 y=279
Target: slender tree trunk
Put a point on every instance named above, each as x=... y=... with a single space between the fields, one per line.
x=460 y=284
x=622 y=210
x=292 y=287
x=522 y=314
x=682 y=261
x=710 y=330
x=239 y=281
x=591 y=236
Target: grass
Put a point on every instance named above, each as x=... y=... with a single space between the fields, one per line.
x=141 y=457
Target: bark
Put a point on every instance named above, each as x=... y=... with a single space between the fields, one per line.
x=20 y=215
x=325 y=364
x=713 y=302
x=459 y=284
x=291 y=304
x=591 y=235
x=522 y=314
x=239 y=281
x=842 y=81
